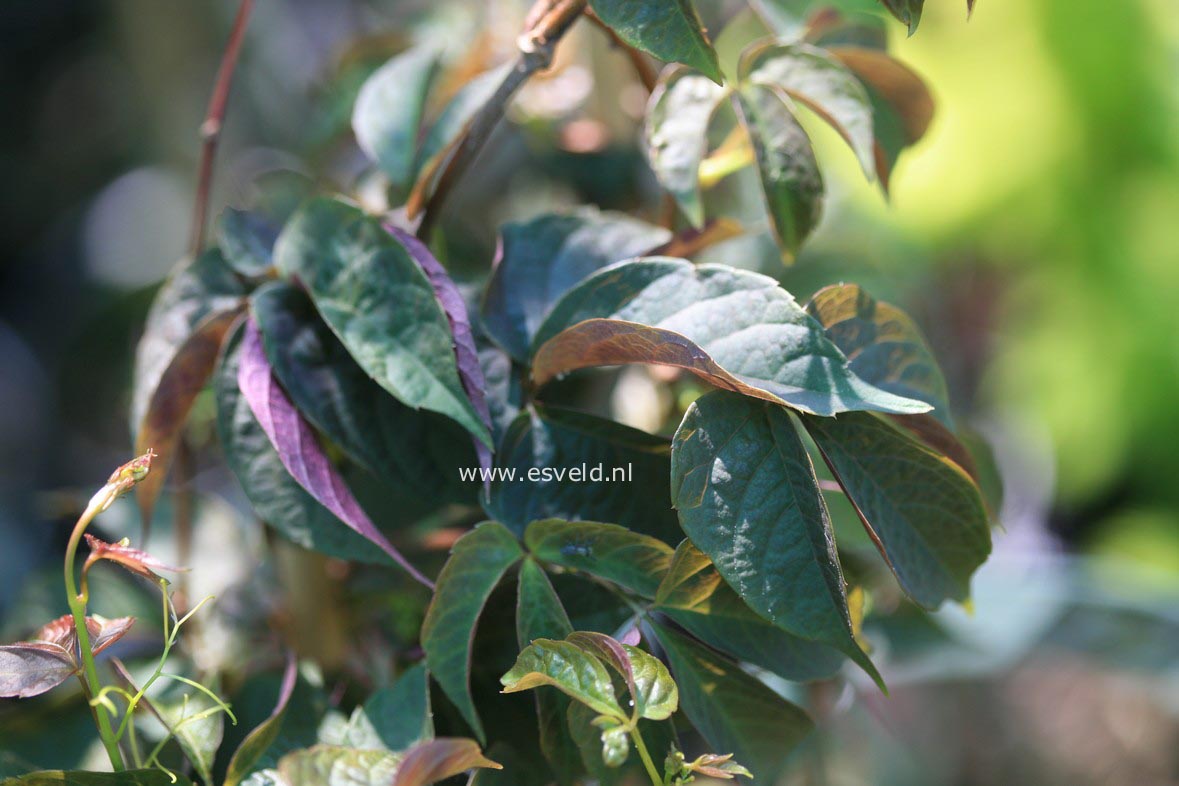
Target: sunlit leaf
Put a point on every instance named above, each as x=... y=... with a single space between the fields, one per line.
x=198 y=737
x=435 y=760
x=748 y=498
x=105 y=632
x=608 y=551
x=786 y=165
x=734 y=711
x=735 y=329
x=669 y=30
x=650 y=686
x=388 y=112
x=372 y=294
x=694 y=595
x=334 y=765
x=569 y=668
x=477 y=563
x=396 y=717
x=543 y=258
x=811 y=76
x=298 y=448
x=138 y=562
x=256 y=743
x=678 y=116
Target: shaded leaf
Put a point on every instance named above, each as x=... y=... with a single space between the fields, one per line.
x=790 y=177
x=907 y=11
x=79 y=778
x=549 y=443
x=334 y=765
x=380 y=304
x=298 y=449
x=397 y=717
x=388 y=112
x=601 y=750
x=734 y=711
x=823 y=84
x=435 y=760
x=669 y=30
x=543 y=258
x=569 y=668
x=105 y=632
x=694 y=595
x=199 y=738
x=31 y=668
x=466 y=354
x=924 y=512
x=187 y=324
x=415 y=451
x=477 y=562
x=608 y=551
x=275 y=496
x=256 y=743
x=748 y=498
x=735 y=329
x=678 y=116
x=246 y=239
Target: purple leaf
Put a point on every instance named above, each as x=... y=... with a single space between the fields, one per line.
x=31 y=668
x=301 y=454
x=465 y=353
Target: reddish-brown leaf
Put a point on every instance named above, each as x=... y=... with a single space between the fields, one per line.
x=138 y=562
x=103 y=632
x=434 y=760
x=30 y=668
x=60 y=632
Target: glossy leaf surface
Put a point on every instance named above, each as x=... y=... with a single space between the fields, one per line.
x=608 y=551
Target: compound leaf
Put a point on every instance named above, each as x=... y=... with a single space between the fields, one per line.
x=608 y=551
x=669 y=30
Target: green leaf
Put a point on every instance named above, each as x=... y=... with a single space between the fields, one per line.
x=275 y=496
x=292 y=724
x=436 y=760
x=608 y=551
x=790 y=177
x=540 y=615
x=199 y=738
x=477 y=562
x=735 y=329
x=246 y=240
x=414 y=451
x=650 y=685
x=907 y=11
x=334 y=765
x=669 y=30
x=601 y=751
x=734 y=711
x=788 y=18
x=396 y=717
x=748 y=498
x=128 y=778
x=883 y=345
x=543 y=258
x=570 y=669
x=902 y=107
x=388 y=112
x=924 y=512
x=822 y=83
x=185 y=328
x=694 y=595
x=551 y=443
x=377 y=300
x=678 y=115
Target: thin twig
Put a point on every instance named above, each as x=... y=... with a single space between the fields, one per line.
x=211 y=127
x=546 y=22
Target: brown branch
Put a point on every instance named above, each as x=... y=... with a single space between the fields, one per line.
x=647 y=73
x=211 y=128
x=546 y=22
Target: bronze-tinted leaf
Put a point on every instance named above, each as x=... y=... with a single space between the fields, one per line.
x=138 y=562
x=30 y=668
x=434 y=760
x=104 y=632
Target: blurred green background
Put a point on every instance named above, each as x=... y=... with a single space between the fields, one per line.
x=1034 y=233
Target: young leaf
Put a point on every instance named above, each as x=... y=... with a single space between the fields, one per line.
x=199 y=738
x=541 y=259
x=694 y=595
x=735 y=329
x=810 y=75
x=415 y=451
x=187 y=324
x=138 y=562
x=82 y=778
x=275 y=496
x=298 y=449
x=790 y=177
x=252 y=748
x=30 y=668
x=104 y=632
x=388 y=112
x=650 y=686
x=924 y=513
x=602 y=750
x=608 y=551
x=669 y=30
x=748 y=498
x=902 y=107
x=334 y=765
x=378 y=301
x=678 y=116
x=477 y=562
x=435 y=760
x=543 y=447
x=734 y=711
x=907 y=11
x=569 y=668
x=465 y=352
x=397 y=717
